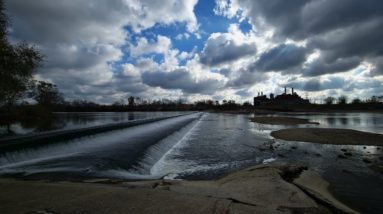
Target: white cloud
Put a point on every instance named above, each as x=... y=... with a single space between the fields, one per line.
x=130 y=70
x=81 y=39
x=161 y=46
x=222 y=48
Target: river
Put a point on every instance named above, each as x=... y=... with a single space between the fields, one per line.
x=205 y=146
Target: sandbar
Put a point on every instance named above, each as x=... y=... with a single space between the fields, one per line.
x=329 y=136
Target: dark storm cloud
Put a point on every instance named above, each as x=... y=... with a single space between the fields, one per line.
x=304 y=18
x=279 y=13
x=180 y=79
x=35 y=20
x=340 y=29
x=225 y=71
x=378 y=62
x=282 y=57
x=363 y=40
x=317 y=85
x=320 y=66
x=323 y=16
x=246 y=78
x=221 y=49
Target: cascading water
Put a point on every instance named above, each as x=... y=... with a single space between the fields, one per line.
x=96 y=154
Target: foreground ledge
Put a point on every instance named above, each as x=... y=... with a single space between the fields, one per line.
x=329 y=136
x=259 y=189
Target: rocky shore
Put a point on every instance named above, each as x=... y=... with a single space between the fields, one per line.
x=259 y=189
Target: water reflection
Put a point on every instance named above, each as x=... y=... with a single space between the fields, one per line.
x=370 y=122
x=75 y=120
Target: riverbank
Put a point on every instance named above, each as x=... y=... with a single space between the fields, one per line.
x=259 y=189
x=329 y=136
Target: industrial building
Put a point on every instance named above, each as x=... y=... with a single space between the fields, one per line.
x=282 y=99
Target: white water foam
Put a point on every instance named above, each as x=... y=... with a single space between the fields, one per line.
x=269 y=160
x=164 y=166
x=153 y=161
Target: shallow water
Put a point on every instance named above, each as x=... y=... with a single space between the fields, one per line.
x=209 y=145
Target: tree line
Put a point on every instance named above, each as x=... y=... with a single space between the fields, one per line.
x=342 y=100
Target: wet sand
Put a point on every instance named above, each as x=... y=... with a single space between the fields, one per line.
x=329 y=136
x=259 y=189
x=281 y=120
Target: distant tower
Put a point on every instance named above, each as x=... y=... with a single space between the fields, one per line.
x=292 y=90
x=271 y=96
x=285 y=90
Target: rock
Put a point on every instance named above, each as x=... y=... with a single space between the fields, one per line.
x=97 y=180
x=259 y=189
x=313 y=184
x=101 y=199
x=261 y=186
x=366 y=160
x=318 y=155
x=377 y=167
x=143 y=184
x=343 y=150
x=342 y=157
x=348 y=154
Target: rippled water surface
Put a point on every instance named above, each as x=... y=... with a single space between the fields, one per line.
x=209 y=145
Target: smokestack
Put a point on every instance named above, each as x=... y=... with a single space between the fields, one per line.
x=292 y=90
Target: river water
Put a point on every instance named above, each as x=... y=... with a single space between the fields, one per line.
x=207 y=146
x=73 y=120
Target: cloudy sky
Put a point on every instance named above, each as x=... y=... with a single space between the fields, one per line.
x=109 y=50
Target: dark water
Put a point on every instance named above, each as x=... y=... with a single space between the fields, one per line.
x=209 y=145
x=73 y=120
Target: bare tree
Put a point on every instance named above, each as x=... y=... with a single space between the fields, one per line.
x=342 y=100
x=17 y=65
x=329 y=100
x=47 y=94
